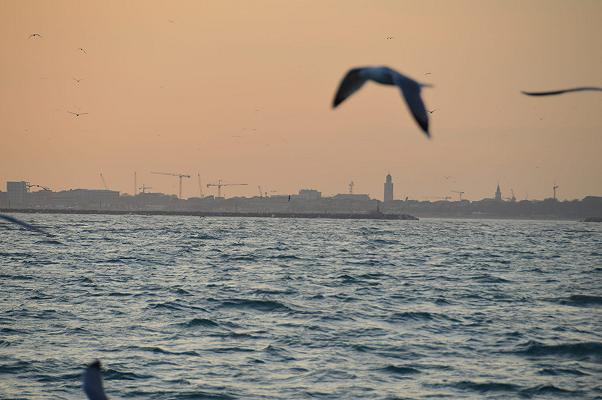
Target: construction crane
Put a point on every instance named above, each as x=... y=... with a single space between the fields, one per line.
x=555 y=187
x=351 y=184
x=180 y=176
x=144 y=188
x=219 y=186
x=200 y=186
x=511 y=198
x=29 y=185
x=104 y=183
x=460 y=193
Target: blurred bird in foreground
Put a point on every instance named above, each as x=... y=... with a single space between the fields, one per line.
x=410 y=89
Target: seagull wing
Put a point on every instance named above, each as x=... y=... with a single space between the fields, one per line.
x=410 y=90
x=350 y=84
x=555 y=92
x=92 y=382
x=23 y=224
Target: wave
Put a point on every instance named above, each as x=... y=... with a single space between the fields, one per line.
x=200 y=395
x=416 y=316
x=258 y=305
x=561 y=371
x=199 y=322
x=159 y=350
x=548 y=390
x=484 y=387
x=581 y=300
x=119 y=375
x=394 y=369
x=490 y=279
x=580 y=351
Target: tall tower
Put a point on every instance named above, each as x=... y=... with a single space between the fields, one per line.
x=498 y=193
x=388 y=188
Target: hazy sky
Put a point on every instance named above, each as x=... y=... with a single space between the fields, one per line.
x=242 y=90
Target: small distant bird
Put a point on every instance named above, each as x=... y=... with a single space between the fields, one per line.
x=171 y=21
x=447 y=177
x=427 y=73
x=432 y=111
x=82 y=50
x=23 y=224
x=78 y=80
x=92 y=382
x=76 y=114
x=410 y=89
x=389 y=37
x=555 y=92
x=34 y=35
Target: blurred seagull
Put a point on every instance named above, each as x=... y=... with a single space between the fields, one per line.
x=24 y=224
x=77 y=114
x=432 y=111
x=78 y=80
x=410 y=89
x=82 y=50
x=555 y=92
x=33 y=35
x=390 y=37
x=92 y=382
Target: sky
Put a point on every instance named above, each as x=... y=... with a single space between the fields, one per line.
x=241 y=91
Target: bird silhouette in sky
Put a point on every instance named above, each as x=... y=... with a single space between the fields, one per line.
x=561 y=91
x=35 y=35
x=77 y=114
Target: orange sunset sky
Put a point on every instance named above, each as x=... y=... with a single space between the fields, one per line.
x=242 y=90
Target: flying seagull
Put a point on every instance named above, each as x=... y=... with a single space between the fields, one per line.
x=554 y=92
x=432 y=111
x=23 y=224
x=92 y=382
x=77 y=114
x=78 y=80
x=33 y=35
x=410 y=89
x=82 y=50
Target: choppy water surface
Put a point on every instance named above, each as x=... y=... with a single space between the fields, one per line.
x=228 y=308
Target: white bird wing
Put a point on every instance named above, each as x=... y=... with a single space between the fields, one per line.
x=350 y=84
x=410 y=90
x=92 y=382
x=554 y=92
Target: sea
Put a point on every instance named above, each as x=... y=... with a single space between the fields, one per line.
x=180 y=307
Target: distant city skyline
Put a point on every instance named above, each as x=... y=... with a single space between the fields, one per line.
x=242 y=91
x=252 y=190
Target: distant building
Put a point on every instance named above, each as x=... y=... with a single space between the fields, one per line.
x=16 y=192
x=309 y=194
x=388 y=188
x=498 y=193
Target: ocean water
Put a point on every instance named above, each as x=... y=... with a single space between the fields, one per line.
x=243 y=308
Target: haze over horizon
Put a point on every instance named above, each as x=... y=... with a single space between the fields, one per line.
x=242 y=91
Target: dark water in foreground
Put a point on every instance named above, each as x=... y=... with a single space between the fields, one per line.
x=228 y=308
